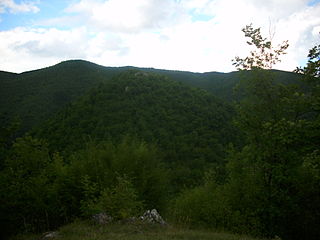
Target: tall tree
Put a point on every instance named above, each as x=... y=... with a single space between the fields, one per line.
x=277 y=122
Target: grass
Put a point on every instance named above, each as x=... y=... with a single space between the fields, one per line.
x=83 y=230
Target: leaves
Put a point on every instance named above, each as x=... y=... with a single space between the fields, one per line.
x=264 y=56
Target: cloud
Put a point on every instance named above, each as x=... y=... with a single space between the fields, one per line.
x=291 y=20
x=26 y=49
x=12 y=7
x=52 y=42
x=29 y=48
x=187 y=44
x=162 y=34
x=129 y=16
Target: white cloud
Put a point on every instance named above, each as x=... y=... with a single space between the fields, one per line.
x=12 y=7
x=129 y=16
x=162 y=34
x=291 y=20
x=26 y=49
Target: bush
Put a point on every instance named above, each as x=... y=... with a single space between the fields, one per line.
x=103 y=162
x=120 y=201
x=205 y=205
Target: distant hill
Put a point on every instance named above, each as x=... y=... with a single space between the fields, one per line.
x=37 y=95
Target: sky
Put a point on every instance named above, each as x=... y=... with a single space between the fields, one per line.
x=187 y=35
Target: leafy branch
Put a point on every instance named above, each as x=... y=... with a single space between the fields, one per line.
x=264 y=56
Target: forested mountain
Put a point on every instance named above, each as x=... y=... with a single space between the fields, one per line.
x=37 y=95
x=191 y=126
x=221 y=84
x=138 y=128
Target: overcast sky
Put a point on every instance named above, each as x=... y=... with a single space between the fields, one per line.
x=191 y=35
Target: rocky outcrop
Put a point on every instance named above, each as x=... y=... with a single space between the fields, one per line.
x=152 y=217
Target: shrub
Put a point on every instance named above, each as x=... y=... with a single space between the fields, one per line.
x=204 y=205
x=120 y=201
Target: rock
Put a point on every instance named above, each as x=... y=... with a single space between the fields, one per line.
x=152 y=217
x=49 y=235
x=102 y=218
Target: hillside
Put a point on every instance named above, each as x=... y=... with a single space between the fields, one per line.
x=7 y=75
x=190 y=125
x=37 y=95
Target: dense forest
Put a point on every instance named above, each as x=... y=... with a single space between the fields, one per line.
x=229 y=151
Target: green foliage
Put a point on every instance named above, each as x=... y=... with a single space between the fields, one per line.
x=101 y=164
x=28 y=187
x=272 y=183
x=88 y=205
x=264 y=56
x=38 y=95
x=190 y=126
x=202 y=206
x=40 y=190
x=7 y=135
x=277 y=120
x=121 y=201
x=312 y=69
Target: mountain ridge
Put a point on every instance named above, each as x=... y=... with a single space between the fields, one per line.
x=38 y=94
x=81 y=61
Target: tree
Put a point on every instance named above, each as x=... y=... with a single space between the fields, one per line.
x=25 y=187
x=7 y=135
x=312 y=69
x=278 y=125
x=121 y=201
x=98 y=166
x=265 y=54
x=308 y=183
x=259 y=196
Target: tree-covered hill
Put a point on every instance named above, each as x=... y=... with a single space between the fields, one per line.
x=221 y=84
x=190 y=125
x=34 y=96
x=37 y=95
x=139 y=138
